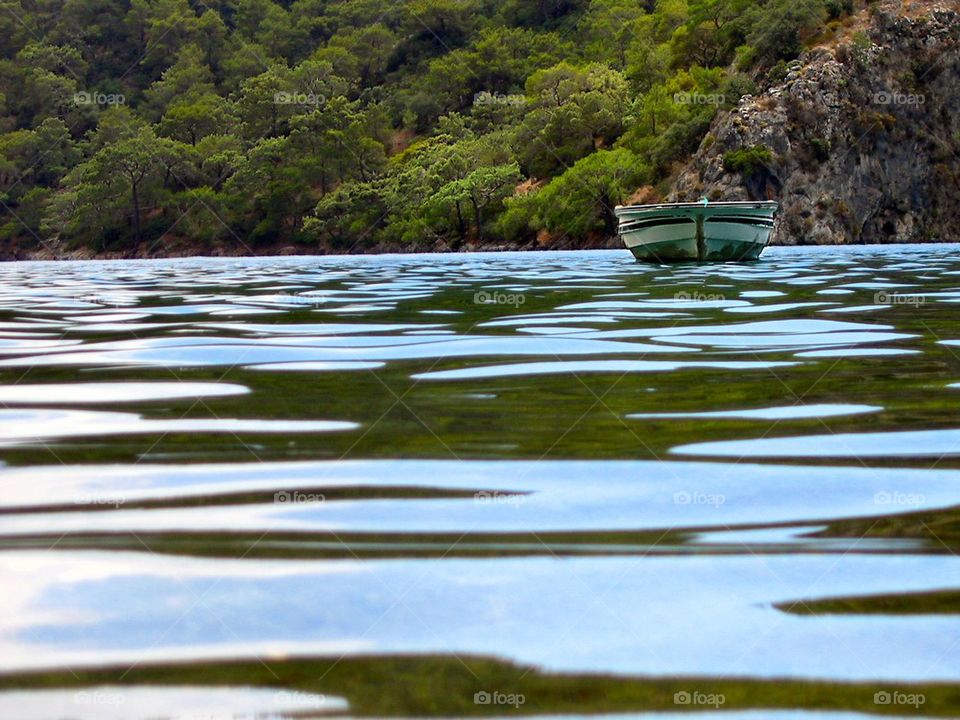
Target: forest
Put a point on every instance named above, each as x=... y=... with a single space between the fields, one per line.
x=361 y=125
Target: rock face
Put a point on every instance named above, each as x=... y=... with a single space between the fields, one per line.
x=862 y=140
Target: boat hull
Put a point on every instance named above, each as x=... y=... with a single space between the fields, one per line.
x=696 y=232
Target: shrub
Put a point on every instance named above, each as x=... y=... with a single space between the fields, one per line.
x=821 y=149
x=838 y=8
x=747 y=161
x=581 y=200
x=778 y=72
x=781 y=25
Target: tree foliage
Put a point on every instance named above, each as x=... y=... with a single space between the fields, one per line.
x=348 y=123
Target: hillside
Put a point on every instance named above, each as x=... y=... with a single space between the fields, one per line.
x=169 y=127
x=860 y=141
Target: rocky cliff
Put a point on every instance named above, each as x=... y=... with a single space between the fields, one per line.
x=860 y=141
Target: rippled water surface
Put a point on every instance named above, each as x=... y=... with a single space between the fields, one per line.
x=258 y=485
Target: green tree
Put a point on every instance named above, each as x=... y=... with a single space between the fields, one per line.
x=216 y=158
x=712 y=33
x=161 y=28
x=780 y=25
x=354 y=215
x=193 y=119
x=35 y=157
x=370 y=49
x=582 y=200
x=481 y=189
x=574 y=111
x=126 y=173
x=503 y=58
x=186 y=79
x=436 y=26
x=212 y=39
x=265 y=102
x=271 y=25
x=610 y=27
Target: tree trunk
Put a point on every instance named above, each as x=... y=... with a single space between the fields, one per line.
x=609 y=219
x=476 y=215
x=136 y=214
x=460 y=225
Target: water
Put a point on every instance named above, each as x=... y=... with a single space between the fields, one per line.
x=252 y=487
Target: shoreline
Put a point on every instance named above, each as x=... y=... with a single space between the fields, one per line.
x=290 y=250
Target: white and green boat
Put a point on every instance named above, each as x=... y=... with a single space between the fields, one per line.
x=700 y=232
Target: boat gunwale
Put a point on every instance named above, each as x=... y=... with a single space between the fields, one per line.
x=759 y=204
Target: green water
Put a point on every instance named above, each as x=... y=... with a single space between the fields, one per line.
x=380 y=486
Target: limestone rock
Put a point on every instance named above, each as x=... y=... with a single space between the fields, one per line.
x=864 y=138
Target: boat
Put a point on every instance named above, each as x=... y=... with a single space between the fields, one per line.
x=703 y=231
